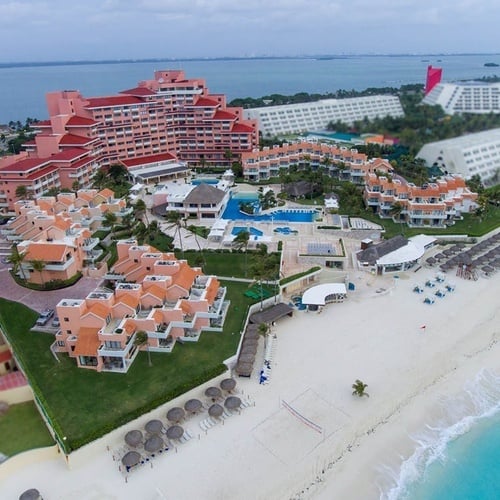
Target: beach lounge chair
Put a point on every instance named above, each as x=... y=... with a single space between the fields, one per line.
x=418 y=289
x=429 y=300
x=430 y=284
x=440 y=277
x=450 y=287
x=440 y=293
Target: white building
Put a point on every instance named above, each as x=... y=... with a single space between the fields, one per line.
x=297 y=118
x=467 y=155
x=465 y=97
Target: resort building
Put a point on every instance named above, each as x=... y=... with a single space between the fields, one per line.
x=435 y=204
x=395 y=254
x=57 y=231
x=155 y=129
x=467 y=155
x=465 y=97
x=343 y=162
x=154 y=293
x=299 y=118
x=203 y=202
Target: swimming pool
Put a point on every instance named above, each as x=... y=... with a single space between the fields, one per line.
x=252 y=230
x=232 y=212
x=196 y=182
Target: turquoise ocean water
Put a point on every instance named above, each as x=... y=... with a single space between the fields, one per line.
x=458 y=456
x=22 y=89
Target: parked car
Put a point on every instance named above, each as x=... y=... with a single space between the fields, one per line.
x=55 y=322
x=44 y=317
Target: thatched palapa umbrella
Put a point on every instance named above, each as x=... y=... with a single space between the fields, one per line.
x=439 y=256
x=154 y=426
x=215 y=410
x=247 y=358
x=213 y=392
x=228 y=384
x=133 y=438
x=232 y=402
x=175 y=432
x=487 y=269
x=131 y=458
x=31 y=494
x=175 y=414
x=154 y=443
x=431 y=260
x=193 y=405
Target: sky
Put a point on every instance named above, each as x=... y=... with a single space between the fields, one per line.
x=51 y=30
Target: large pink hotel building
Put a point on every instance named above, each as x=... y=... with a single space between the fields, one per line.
x=168 y=117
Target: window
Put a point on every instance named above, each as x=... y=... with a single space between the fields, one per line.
x=66 y=319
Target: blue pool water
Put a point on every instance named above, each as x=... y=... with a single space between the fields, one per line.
x=459 y=457
x=232 y=212
x=196 y=182
x=252 y=230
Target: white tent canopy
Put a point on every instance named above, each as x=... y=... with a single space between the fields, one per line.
x=317 y=295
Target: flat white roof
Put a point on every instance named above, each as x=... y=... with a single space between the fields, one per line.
x=407 y=253
x=317 y=294
x=422 y=240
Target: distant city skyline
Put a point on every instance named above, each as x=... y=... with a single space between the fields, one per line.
x=54 y=30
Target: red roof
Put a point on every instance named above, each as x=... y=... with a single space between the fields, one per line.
x=25 y=165
x=144 y=160
x=71 y=139
x=80 y=121
x=77 y=164
x=204 y=101
x=69 y=154
x=116 y=100
x=5 y=356
x=138 y=91
x=42 y=123
x=223 y=115
x=41 y=173
x=241 y=127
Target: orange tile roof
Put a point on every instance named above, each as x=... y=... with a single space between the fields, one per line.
x=106 y=193
x=158 y=316
x=155 y=290
x=87 y=342
x=212 y=289
x=99 y=310
x=185 y=277
x=128 y=300
x=129 y=326
x=46 y=251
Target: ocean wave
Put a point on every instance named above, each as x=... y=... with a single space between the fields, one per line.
x=480 y=399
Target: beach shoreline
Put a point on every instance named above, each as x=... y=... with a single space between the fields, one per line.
x=267 y=451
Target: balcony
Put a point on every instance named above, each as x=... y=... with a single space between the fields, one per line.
x=89 y=244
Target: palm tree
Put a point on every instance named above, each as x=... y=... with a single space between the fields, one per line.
x=175 y=219
x=141 y=339
x=75 y=186
x=111 y=219
x=140 y=210
x=153 y=229
x=140 y=232
x=39 y=266
x=241 y=242
x=22 y=192
x=359 y=389
x=16 y=258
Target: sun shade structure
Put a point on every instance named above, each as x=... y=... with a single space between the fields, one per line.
x=31 y=494
x=133 y=438
x=232 y=402
x=193 y=405
x=175 y=432
x=154 y=443
x=228 y=384
x=131 y=458
x=175 y=414
x=154 y=426
x=215 y=410
x=247 y=358
x=213 y=392
x=244 y=369
x=272 y=314
x=322 y=294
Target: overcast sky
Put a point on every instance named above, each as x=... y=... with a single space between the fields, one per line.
x=38 y=30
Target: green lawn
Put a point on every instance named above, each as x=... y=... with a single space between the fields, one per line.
x=83 y=404
x=23 y=429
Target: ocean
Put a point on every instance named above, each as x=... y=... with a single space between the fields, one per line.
x=457 y=457
x=22 y=89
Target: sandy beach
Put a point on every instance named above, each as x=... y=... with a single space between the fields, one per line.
x=344 y=446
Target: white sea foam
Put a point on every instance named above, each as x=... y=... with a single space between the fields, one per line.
x=480 y=399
